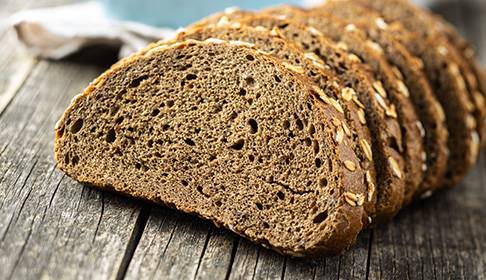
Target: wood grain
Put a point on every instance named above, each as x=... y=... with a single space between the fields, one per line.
x=54 y=228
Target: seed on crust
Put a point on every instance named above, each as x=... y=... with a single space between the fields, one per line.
x=321 y=94
x=391 y=111
x=421 y=128
x=346 y=130
x=357 y=102
x=337 y=106
x=402 y=88
x=342 y=46
x=275 y=32
x=354 y=58
x=479 y=99
x=348 y=93
x=336 y=122
x=394 y=166
x=339 y=135
x=397 y=73
x=378 y=86
x=471 y=122
x=381 y=101
x=371 y=185
x=350 y=165
x=293 y=68
x=315 y=31
x=350 y=27
x=375 y=46
x=362 y=116
x=443 y=50
x=350 y=198
x=475 y=145
x=380 y=22
x=312 y=56
x=366 y=147
x=440 y=111
x=361 y=199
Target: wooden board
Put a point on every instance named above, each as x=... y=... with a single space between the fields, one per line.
x=54 y=228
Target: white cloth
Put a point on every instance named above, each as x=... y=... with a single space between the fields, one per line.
x=60 y=31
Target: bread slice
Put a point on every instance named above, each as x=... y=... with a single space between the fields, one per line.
x=409 y=69
x=370 y=52
x=354 y=133
x=432 y=27
x=225 y=132
x=385 y=130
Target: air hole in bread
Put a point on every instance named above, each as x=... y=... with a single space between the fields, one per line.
x=190 y=77
x=250 y=101
x=150 y=143
x=110 y=136
x=323 y=182
x=242 y=92
x=169 y=103
x=137 y=81
x=77 y=126
x=119 y=120
x=66 y=158
x=233 y=116
x=114 y=110
x=165 y=127
x=299 y=124
x=280 y=195
x=266 y=225
x=218 y=203
x=251 y=158
x=312 y=130
x=75 y=160
x=286 y=124
x=155 y=112
x=321 y=217
x=277 y=79
x=308 y=142
x=238 y=145
x=189 y=142
x=253 y=126
x=184 y=183
x=250 y=57
x=318 y=162
x=315 y=146
x=259 y=206
x=212 y=157
x=202 y=191
x=251 y=82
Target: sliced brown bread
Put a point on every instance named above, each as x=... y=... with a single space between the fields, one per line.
x=173 y=127
x=428 y=26
x=370 y=52
x=385 y=129
x=354 y=133
x=409 y=69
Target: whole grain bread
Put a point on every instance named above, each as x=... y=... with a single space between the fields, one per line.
x=223 y=131
x=408 y=69
x=357 y=42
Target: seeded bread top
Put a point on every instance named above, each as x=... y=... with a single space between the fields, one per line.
x=433 y=127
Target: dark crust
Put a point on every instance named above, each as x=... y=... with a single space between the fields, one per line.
x=349 y=225
x=422 y=96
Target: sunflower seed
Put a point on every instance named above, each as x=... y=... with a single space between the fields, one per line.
x=336 y=105
x=362 y=116
x=350 y=165
x=394 y=166
x=378 y=86
x=366 y=147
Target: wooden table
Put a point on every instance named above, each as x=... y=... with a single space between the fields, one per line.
x=52 y=227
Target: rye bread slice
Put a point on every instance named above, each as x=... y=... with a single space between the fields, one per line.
x=409 y=69
x=385 y=130
x=432 y=27
x=172 y=127
x=353 y=132
x=370 y=52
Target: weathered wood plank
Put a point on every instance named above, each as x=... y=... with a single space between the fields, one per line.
x=171 y=246
x=50 y=226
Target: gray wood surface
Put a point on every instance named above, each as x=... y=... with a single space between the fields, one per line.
x=54 y=228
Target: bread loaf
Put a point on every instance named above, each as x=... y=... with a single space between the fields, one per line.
x=293 y=128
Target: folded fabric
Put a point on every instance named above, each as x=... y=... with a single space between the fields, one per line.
x=57 y=32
